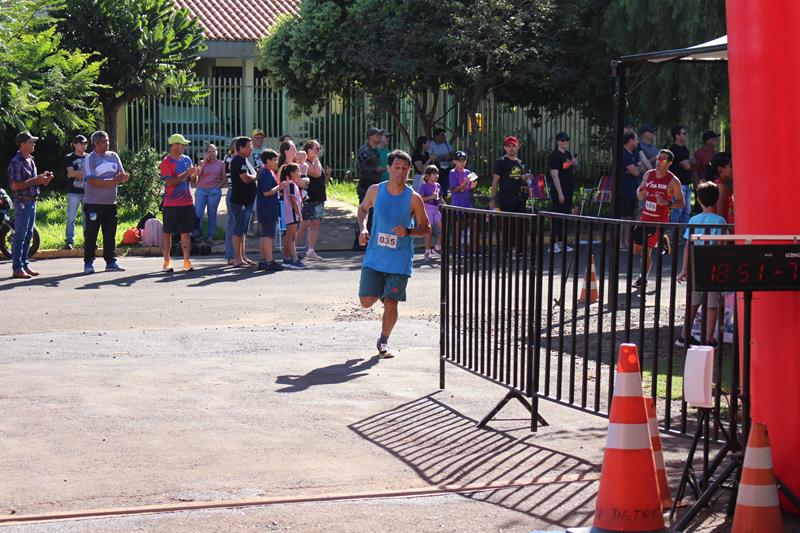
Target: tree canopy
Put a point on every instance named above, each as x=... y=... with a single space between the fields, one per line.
x=149 y=48
x=44 y=86
x=539 y=54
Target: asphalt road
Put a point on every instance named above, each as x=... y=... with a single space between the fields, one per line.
x=141 y=388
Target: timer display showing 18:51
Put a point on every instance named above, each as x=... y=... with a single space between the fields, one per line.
x=743 y=267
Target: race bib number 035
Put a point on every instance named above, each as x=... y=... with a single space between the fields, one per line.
x=388 y=240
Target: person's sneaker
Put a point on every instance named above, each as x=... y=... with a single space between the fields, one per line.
x=436 y=252
x=312 y=256
x=556 y=248
x=262 y=265
x=680 y=342
x=187 y=265
x=274 y=266
x=113 y=266
x=570 y=248
x=427 y=254
x=68 y=246
x=289 y=265
x=299 y=265
x=168 y=266
x=88 y=268
x=383 y=350
x=638 y=283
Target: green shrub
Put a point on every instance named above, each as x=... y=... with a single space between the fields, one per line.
x=142 y=193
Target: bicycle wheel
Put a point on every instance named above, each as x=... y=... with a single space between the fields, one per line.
x=6 y=235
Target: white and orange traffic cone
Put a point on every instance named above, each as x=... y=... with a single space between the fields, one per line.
x=590 y=285
x=757 y=508
x=658 y=455
x=628 y=499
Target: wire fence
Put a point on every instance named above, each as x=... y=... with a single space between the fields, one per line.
x=233 y=108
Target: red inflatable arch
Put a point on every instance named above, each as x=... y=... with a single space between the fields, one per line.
x=764 y=77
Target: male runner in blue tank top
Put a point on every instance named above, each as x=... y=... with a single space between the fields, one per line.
x=390 y=248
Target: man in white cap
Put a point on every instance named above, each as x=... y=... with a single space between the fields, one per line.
x=178 y=172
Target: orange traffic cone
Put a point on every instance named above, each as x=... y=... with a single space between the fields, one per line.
x=757 y=507
x=590 y=285
x=628 y=499
x=655 y=440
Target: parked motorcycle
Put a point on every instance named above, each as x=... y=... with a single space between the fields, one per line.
x=7 y=228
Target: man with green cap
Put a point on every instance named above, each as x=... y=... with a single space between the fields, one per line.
x=178 y=172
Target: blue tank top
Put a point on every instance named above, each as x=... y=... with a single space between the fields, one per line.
x=386 y=252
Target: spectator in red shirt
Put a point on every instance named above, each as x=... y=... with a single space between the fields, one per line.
x=177 y=171
x=703 y=155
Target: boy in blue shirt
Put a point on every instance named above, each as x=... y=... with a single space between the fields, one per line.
x=707 y=194
x=267 y=205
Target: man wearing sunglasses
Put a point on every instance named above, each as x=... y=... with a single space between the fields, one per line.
x=681 y=167
x=661 y=191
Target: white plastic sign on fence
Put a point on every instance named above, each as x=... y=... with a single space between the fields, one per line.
x=697 y=376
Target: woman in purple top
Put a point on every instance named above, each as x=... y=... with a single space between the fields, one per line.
x=460 y=184
x=209 y=191
x=430 y=190
x=462 y=181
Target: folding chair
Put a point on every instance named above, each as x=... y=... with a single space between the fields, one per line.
x=538 y=190
x=602 y=195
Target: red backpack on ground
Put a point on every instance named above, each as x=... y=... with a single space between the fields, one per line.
x=131 y=237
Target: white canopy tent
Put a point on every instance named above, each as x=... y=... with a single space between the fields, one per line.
x=704 y=53
x=716 y=50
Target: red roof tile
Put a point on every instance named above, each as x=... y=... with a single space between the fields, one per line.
x=238 y=20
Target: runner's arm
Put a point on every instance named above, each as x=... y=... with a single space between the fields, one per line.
x=422 y=224
x=678 y=201
x=641 y=192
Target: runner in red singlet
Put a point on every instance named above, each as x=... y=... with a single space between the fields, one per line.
x=661 y=191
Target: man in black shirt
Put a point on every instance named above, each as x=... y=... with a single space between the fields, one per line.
x=510 y=189
x=74 y=164
x=369 y=172
x=561 y=164
x=509 y=180
x=243 y=194
x=682 y=168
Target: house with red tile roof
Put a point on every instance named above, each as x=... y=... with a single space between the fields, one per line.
x=232 y=29
x=241 y=98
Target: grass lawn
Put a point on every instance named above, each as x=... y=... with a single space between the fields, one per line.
x=344 y=191
x=51 y=222
x=678 y=362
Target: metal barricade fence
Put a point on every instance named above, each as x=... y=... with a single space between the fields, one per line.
x=512 y=311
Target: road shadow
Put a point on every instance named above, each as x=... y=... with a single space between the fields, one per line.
x=157 y=276
x=46 y=281
x=446 y=448
x=327 y=375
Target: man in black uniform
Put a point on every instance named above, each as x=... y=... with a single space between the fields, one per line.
x=561 y=164
x=369 y=172
x=682 y=168
x=510 y=186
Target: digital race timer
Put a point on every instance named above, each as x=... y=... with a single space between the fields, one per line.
x=746 y=267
